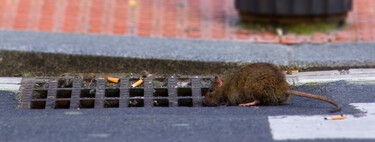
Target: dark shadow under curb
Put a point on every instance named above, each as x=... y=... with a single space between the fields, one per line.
x=18 y=63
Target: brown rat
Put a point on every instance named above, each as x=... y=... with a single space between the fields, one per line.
x=256 y=84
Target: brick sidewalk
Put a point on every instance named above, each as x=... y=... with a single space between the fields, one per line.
x=201 y=19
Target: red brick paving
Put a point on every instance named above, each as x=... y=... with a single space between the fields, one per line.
x=96 y=16
x=202 y=19
x=2 y=7
x=120 y=16
x=46 y=22
x=70 y=16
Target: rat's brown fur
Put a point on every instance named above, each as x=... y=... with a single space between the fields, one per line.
x=261 y=82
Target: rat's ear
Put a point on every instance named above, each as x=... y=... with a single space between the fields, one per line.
x=218 y=81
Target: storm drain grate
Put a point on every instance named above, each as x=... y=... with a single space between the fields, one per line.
x=73 y=92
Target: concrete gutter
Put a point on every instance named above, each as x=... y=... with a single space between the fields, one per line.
x=352 y=75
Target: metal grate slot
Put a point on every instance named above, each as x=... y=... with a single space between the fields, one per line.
x=185 y=102
x=39 y=94
x=41 y=85
x=184 y=92
x=206 y=82
x=160 y=92
x=160 y=82
x=64 y=94
x=136 y=103
x=88 y=93
x=62 y=104
x=183 y=82
x=90 y=82
x=111 y=103
x=136 y=92
x=65 y=83
x=111 y=93
x=161 y=102
x=38 y=104
x=86 y=103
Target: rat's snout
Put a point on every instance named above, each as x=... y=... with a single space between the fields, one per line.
x=205 y=102
x=208 y=102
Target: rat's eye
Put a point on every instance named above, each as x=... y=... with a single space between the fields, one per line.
x=211 y=89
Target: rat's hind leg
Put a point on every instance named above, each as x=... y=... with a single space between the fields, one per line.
x=254 y=103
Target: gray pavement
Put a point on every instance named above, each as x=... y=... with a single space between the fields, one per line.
x=304 y=55
x=188 y=124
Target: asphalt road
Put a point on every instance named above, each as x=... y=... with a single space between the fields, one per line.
x=178 y=124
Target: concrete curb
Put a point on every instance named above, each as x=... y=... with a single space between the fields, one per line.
x=359 y=55
x=352 y=75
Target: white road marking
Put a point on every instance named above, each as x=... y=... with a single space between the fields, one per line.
x=100 y=135
x=331 y=76
x=10 y=80
x=72 y=112
x=180 y=125
x=9 y=87
x=10 y=83
x=315 y=127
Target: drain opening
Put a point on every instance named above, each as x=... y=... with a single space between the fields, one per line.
x=41 y=85
x=62 y=104
x=160 y=82
x=136 y=103
x=88 y=93
x=89 y=82
x=136 y=92
x=110 y=93
x=161 y=92
x=111 y=84
x=185 y=102
x=111 y=103
x=38 y=104
x=183 y=92
x=64 y=94
x=161 y=102
x=204 y=91
x=184 y=82
x=86 y=103
x=65 y=83
x=206 y=82
x=39 y=94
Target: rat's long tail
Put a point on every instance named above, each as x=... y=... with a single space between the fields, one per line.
x=308 y=95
